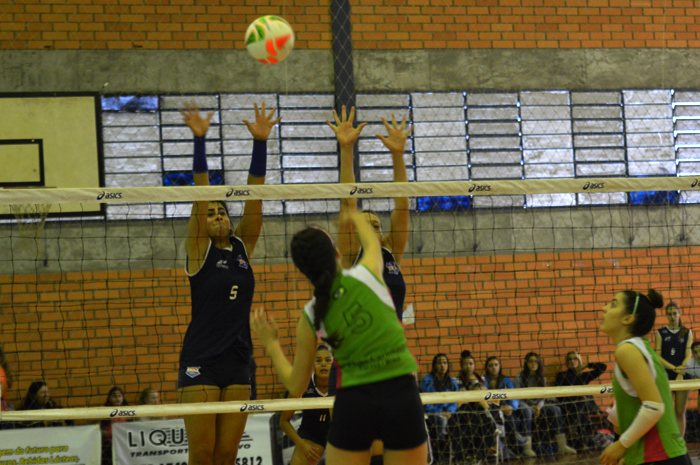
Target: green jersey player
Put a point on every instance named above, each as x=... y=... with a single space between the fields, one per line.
x=353 y=312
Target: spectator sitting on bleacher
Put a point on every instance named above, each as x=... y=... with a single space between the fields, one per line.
x=495 y=379
x=537 y=411
x=473 y=429
x=115 y=398
x=38 y=398
x=149 y=396
x=693 y=365
x=467 y=372
x=577 y=410
x=439 y=380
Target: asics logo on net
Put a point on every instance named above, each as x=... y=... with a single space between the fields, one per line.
x=109 y=195
x=593 y=185
x=251 y=408
x=360 y=190
x=238 y=193
x=495 y=396
x=606 y=390
x=122 y=413
x=480 y=188
x=695 y=183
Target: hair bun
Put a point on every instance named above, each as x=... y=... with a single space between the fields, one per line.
x=465 y=354
x=655 y=298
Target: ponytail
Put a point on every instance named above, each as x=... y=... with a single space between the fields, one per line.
x=313 y=253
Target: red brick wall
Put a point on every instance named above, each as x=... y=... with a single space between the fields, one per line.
x=377 y=24
x=86 y=332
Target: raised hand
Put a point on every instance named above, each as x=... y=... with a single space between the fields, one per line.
x=194 y=120
x=265 y=329
x=263 y=123
x=396 y=140
x=343 y=129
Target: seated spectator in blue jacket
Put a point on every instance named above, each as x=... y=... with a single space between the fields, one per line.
x=539 y=412
x=439 y=380
x=578 y=410
x=495 y=379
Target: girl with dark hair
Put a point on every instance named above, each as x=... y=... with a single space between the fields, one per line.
x=495 y=379
x=545 y=415
x=38 y=398
x=439 y=380
x=353 y=312
x=643 y=413
x=115 y=398
x=577 y=410
x=673 y=346
x=467 y=373
x=217 y=349
x=311 y=437
x=394 y=242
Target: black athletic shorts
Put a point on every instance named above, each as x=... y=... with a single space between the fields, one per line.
x=309 y=436
x=227 y=371
x=680 y=460
x=388 y=410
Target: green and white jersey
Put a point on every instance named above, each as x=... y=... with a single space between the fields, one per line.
x=361 y=317
x=662 y=441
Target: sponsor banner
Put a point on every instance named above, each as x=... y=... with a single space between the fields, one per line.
x=76 y=445
x=164 y=442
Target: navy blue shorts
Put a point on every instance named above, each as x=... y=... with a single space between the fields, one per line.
x=309 y=436
x=389 y=410
x=226 y=372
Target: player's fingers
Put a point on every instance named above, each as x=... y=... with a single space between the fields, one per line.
x=386 y=125
x=277 y=121
x=257 y=112
x=344 y=116
x=352 y=114
x=410 y=130
x=380 y=137
x=272 y=113
x=403 y=123
x=209 y=115
x=263 y=108
x=393 y=121
x=335 y=116
x=361 y=126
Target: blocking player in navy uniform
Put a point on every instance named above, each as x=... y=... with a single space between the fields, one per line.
x=673 y=346
x=216 y=351
x=393 y=243
x=310 y=438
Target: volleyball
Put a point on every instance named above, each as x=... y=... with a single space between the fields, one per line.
x=269 y=39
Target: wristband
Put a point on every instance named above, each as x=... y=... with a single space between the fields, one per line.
x=258 y=162
x=649 y=413
x=199 y=162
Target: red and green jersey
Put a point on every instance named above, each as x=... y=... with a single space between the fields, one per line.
x=663 y=441
x=361 y=317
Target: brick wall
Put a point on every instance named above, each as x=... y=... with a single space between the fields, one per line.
x=377 y=24
x=85 y=332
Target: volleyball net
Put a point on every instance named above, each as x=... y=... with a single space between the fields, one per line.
x=499 y=268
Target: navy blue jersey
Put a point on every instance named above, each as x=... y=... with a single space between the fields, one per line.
x=393 y=279
x=316 y=421
x=222 y=295
x=672 y=346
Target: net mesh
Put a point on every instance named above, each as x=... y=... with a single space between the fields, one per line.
x=494 y=93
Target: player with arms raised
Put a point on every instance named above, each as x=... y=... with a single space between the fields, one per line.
x=216 y=351
x=352 y=311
